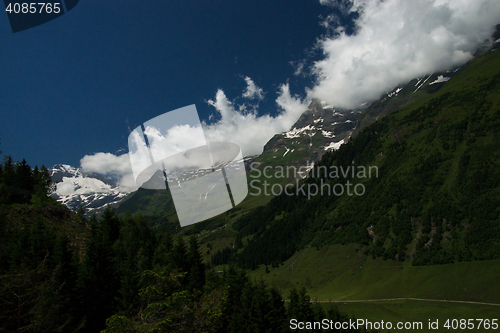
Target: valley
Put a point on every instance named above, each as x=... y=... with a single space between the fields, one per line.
x=422 y=243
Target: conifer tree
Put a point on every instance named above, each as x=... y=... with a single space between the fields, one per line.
x=81 y=213
x=8 y=171
x=98 y=281
x=162 y=255
x=300 y=305
x=277 y=313
x=179 y=256
x=196 y=278
x=24 y=176
x=110 y=225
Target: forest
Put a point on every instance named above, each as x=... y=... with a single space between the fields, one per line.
x=60 y=272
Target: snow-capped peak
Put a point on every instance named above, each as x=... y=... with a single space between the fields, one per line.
x=92 y=191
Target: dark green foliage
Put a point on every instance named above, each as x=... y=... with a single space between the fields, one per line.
x=24 y=177
x=24 y=184
x=196 y=273
x=8 y=175
x=98 y=279
x=39 y=270
x=62 y=273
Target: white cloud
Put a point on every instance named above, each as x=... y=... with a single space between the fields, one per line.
x=252 y=91
x=250 y=131
x=247 y=129
x=177 y=139
x=105 y=163
x=298 y=67
x=110 y=165
x=396 y=41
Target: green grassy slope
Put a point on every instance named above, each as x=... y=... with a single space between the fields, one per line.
x=339 y=272
x=388 y=290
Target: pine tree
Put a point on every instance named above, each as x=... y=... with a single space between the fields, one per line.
x=110 y=225
x=81 y=213
x=44 y=182
x=179 y=256
x=162 y=255
x=277 y=314
x=24 y=176
x=4 y=195
x=196 y=277
x=98 y=281
x=56 y=306
x=8 y=171
x=42 y=188
x=300 y=305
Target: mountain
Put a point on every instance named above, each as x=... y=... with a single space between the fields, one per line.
x=319 y=129
x=92 y=191
x=432 y=200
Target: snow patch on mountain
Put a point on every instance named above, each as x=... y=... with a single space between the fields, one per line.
x=394 y=93
x=327 y=134
x=81 y=185
x=296 y=132
x=440 y=79
x=92 y=191
x=420 y=86
x=334 y=145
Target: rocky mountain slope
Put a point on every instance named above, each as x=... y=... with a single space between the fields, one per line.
x=320 y=128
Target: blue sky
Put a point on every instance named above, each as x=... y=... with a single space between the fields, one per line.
x=75 y=85
x=72 y=89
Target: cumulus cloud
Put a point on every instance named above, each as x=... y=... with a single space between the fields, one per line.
x=396 y=41
x=252 y=91
x=247 y=129
x=110 y=165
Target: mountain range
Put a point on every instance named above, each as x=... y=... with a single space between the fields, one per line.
x=320 y=129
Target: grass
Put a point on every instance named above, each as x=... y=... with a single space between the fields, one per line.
x=341 y=274
x=419 y=311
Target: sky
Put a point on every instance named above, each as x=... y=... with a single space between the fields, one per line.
x=73 y=89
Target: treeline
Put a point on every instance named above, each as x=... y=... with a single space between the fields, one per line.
x=62 y=273
x=19 y=182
